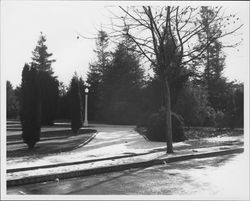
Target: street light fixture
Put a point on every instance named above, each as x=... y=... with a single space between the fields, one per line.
x=85 y=123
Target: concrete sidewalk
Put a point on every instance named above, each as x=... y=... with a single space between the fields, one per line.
x=114 y=148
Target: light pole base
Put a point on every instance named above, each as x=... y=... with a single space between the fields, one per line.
x=85 y=123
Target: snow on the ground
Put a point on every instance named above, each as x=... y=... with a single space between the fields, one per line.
x=224 y=138
x=104 y=163
x=84 y=166
x=112 y=142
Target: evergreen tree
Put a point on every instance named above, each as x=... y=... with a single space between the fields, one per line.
x=63 y=108
x=12 y=102
x=192 y=105
x=30 y=106
x=212 y=59
x=239 y=105
x=234 y=105
x=49 y=97
x=76 y=104
x=177 y=75
x=47 y=83
x=95 y=75
x=121 y=85
x=40 y=58
x=82 y=87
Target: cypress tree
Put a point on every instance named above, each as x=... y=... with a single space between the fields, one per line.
x=76 y=105
x=30 y=106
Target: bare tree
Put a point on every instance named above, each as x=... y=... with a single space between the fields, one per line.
x=166 y=37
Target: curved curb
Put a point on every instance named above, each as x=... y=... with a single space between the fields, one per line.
x=143 y=135
x=86 y=142
x=88 y=172
x=203 y=155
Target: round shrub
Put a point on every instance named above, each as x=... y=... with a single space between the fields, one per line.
x=156 y=127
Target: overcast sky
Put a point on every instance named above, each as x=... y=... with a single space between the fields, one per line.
x=22 y=22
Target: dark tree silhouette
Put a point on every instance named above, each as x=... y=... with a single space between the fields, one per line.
x=122 y=82
x=211 y=62
x=30 y=106
x=12 y=101
x=95 y=75
x=47 y=83
x=76 y=105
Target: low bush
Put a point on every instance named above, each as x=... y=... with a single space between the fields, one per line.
x=156 y=127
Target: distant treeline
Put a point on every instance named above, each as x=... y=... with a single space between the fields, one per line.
x=120 y=92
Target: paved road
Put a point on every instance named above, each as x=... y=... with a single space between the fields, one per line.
x=225 y=176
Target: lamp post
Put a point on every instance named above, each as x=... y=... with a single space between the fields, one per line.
x=85 y=123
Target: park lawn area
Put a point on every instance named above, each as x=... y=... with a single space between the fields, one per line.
x=51 y=142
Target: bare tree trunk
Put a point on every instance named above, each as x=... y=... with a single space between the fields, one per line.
x=168 y=118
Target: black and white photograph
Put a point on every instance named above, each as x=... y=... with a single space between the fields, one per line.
x=124 y=100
